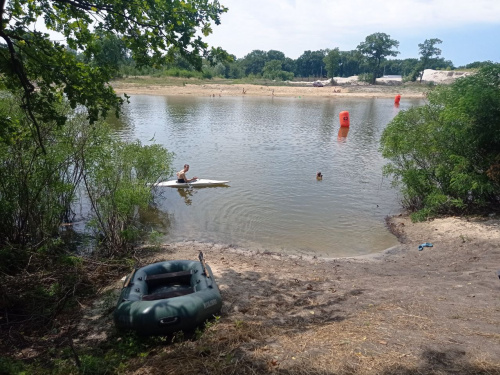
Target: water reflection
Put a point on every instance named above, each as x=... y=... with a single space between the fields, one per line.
x=270 y=149
x=154 y=218
x=343 y=131
x=186 y=194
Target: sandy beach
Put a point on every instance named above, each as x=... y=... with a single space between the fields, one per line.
x=387 y=87
x=223 y=90
x=403 y=311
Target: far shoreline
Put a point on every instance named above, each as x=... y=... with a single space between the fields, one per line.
x=217 y=90
x=385 y=87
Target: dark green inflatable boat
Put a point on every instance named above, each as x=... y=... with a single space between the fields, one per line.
x=166 y=297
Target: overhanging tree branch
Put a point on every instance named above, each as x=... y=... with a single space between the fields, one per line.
x=27 y=86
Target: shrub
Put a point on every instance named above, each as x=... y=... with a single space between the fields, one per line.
x=365 y=77
x=117 y=180
x=37 y=188
x=444 y=154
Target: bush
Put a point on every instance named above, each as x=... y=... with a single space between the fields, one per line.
x=117 y=180
x=38 y=187
x=446 y=154
x=365 y=77
x=11 y=366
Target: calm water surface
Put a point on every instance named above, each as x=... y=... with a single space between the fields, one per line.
x=270 y=149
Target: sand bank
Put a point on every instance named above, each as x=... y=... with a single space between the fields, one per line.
x=403 y=311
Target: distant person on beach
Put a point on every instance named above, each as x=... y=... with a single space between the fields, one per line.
x=181 y=175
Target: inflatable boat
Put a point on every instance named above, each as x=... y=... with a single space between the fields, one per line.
x=166 y=297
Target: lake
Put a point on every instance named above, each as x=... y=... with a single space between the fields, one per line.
x=270 y=149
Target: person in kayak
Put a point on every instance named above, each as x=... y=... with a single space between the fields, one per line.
x=181 y=175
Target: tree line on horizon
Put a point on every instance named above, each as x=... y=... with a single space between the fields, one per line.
x=369 y=61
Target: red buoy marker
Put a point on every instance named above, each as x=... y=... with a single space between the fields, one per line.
x=344 y=119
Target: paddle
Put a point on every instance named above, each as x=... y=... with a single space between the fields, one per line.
x=202 y=260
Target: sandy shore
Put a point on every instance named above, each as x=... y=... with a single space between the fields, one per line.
x=403 y=311
x=222 y=90
x=387 y=87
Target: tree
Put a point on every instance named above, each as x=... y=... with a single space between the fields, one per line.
x=275 y=55
x=288 y=65
x=350 y=63
x=274 y=70
x=110 y=52
x=175 y=59
x=446 y=154
x=375 y=49
x=408 y=66
x=310 y=63
x=428 y=51
x=254 y=62
x=476 y=65
x=332 y=61
x=55 y=94
x=47 y=73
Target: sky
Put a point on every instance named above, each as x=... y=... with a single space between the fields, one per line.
x=469 y=30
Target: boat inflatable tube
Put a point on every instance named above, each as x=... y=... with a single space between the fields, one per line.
x=166 y=297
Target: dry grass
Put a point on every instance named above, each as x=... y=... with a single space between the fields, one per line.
x=357 y=346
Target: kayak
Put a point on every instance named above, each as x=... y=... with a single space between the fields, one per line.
x=166 y=297
x=200 y=182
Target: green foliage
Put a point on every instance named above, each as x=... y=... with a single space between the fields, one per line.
x=37 y=188
x=350 y=63
x=273 y=70
x=365 y=77
x=175 y=72
x=109 y=357
x=445 y=154
x=91 y=365
x=428 y=52
x=51 y=280
x=110 y=53
x=10 y=366
x=413 y=75
x=332 y=62
x=311 y=63
x=476 y=65
x=375 y=48
x=254 y=62
x=117 y=177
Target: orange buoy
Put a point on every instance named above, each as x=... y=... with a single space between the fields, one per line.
x=397 y=99
x=344 y=119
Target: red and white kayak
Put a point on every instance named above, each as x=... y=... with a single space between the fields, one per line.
x=200 y=182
